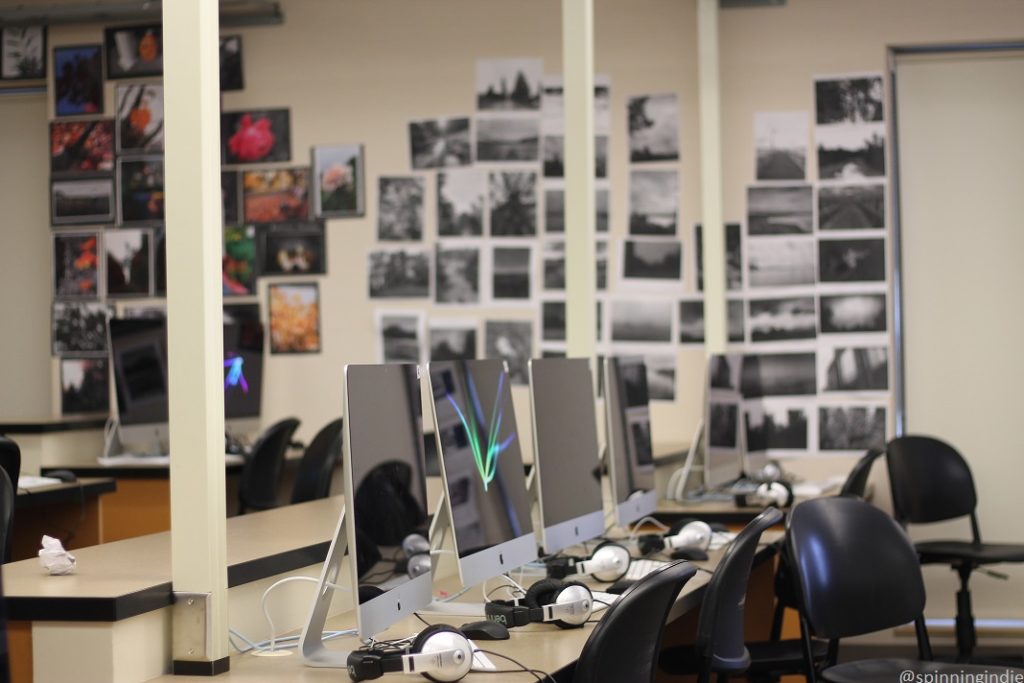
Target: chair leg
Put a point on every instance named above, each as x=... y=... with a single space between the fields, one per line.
x=966 y=635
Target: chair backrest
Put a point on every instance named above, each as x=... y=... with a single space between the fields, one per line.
x=930 y=481
x=313 y=478
x=856 y=483
x=624 y=645
x=262 y=472
x=856 y=569
x=6 y=514
x=720 y=634
x=10 y=460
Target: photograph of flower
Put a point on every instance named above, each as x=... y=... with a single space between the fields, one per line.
x=128 y=262
x=81 y=146
x=76 y=268
x=141 y=182
x=23 y=52
x=77 y=80
x=275 y=195
x=294 y=318
x=84 y=385
x=231 y=63
x=238 y=263
x=250 y=137
x=338 y=170
x=134 y=51
x=140 y=118
x=81 y=200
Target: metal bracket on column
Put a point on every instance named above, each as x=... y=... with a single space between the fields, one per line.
x=192 y=639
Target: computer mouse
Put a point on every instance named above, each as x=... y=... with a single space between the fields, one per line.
x=66 y=476
x=691 y=554
x=484 y=630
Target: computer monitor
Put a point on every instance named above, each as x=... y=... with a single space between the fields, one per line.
x=566 y=452
x=628 y=439
x=482 y=467
x=138 y=349
x=723 y=436
x=243 y=376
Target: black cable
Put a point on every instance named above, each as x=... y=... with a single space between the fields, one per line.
x=424 y=621
x=536 y=673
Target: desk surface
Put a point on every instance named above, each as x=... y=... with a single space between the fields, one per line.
x=46 y=425
x=63 y=493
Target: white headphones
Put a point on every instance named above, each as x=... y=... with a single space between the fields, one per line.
x=684 y=534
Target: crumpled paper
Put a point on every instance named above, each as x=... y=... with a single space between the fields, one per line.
x=55 y=559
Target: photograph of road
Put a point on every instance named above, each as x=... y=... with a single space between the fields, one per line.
x=851 y=207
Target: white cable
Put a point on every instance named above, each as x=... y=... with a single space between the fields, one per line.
x=281 y=582
x=648 y=520
x=456 y=596
x=289 y=642
x=511 y=583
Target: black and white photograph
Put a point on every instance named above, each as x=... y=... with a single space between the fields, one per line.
x=140 y=118
x=851 y=260
x=458 y=274
x=847 y=368
x=733 y=256
x=400 y=209
x=724 y=371
x=508 y=139
x=602 y=203
x=652 y=260
x=134 y=51
x=735 y=320
x=641 y=320
x=851 y=152
x=553 y=103
x=554 y=265
x=691 y=321
x=399 y=333
x=780 y=209
x=460 y=202
x=723 y=425
x=82 y=200
x=84 y=386
x=783 y=319
x=554 y=155
x=552 y=328
x=853 y=313
x=780 y=141
x=399 y=273
x=775 y=427
x=76 y=265
x=653 y=202
x=554 y=209
x=80 y=327
x=292 y=249
x=778 y=374
x=338 y=181
x=23 y=52
x=511 y=273
x=128 y=262
x=851 y=207
x=781 y=262
x=851 y=428
x=848 y=100
x=452 y=340
x=508 y=84
x=654 y=128
x=601 y=258
x=231 y=75
x=513 y=203
x=661 y=376
x=512 y=341
x=231 y=198
x=437 y=143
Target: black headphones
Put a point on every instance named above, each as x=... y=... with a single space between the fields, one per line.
x=439 y=653
x=608 y=563
x=568 y=604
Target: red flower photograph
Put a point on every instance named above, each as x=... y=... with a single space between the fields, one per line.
x=250 y=137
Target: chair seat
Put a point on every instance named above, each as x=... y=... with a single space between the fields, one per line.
x=947 y=552
x=890 y=670
x=770 y=656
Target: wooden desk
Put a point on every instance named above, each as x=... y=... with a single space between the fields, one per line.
x=59 y=510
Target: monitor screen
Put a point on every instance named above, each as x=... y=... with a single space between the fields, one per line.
x=628 y=434
x=138 y=349
x=723 y=444
x=243 y=369
x=482 y=467
x=567 y=454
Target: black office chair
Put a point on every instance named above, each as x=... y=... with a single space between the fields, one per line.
x=857 y=572
x=856 y=483
x=262 y=471
x=10 y=460
x=624 y=645
x=313 y=478
x=7 y=493
x=931 y=482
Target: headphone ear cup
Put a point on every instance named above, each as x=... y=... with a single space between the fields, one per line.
x=616 y=551
x=650 y=543
x=542 y=592
x=678 y=525
x=429 y=638
x=572 y=591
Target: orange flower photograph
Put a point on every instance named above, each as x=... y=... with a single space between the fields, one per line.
x=294 y=318
x=276 y=195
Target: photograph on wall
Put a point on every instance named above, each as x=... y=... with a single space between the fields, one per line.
x=338 y=170
x=851 y=152
x=508 y=139
x=661 y=377
x=128 y=261
x=552 y=321
x=241 y=313
x=724 y=371
x=400 y=208
x=80 y=327
x=849 y=100
x=723 y=424
x=601 y=260
x=81 y=146
x=294 y=317
x=851 y=260
x=851 y=428
x=256 y=136
x=691 y=321
x=293 y=249
x=84 y=386
x=458 y=274
x=780 y=209
x=554 y=265
x=511 y=341
x=238 y=263
x=851 y=207
x=437 y=143
x=77 y=80
x=783 y=319
x=852 y=313
x=231 y=76
x=76 y=265
x=140 y=118
x=554 y=156
x=778 y=374
x=275 y=195
x=399 y=334
x=23 y=52
x=641 y=320
x=780 y=142
x=775 y=427
x=554 y=209
x=160 y=262
x=134 y=51
x=399 y=273
x=508 y=84
x=141 y=181
x=781 y=262
x=513 y=203
x=82 y=200
x=653 y=202
x=553 y=103
x=653 y=128
x=460 y=202
x=733 y=256
x=231 y=198
x=602 y=203
x=452 y=339
x=846 y=368
x=511 y=273
x=659 y=260
x=735 y=312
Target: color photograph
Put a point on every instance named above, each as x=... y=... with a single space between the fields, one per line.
x=775 y=427
x=458 y=275
x=781 y=262
x=400 y=211
x=231 y=76
x=140 y=118
x=654 y=128
x=851 y=152
x=257 y=136
x=338 y=170
x=438 y=143
x=76 y=265
x=851 y=207
x=82 y=200
x=80 y=327
x=460 y=202
x=851 y=260
x=141 y=181
x=508 y=139
x=780 y=210
x=23 y=52
x=294 y=317
x=277 y=195
x=783 y=319
x=511 y=272
x=511 y=341
x=134 y=51
x=851 y=428
x=849 y=100
x=293 y=249
x=653 y=202
x=780 y=141
x=78 y=80
x=238 y=263
x=399 y=274
x=81 y=146
x=508 y=84
x=84 y=386
x=853 y=313
x=778 y=374
x=513 y=202
x=128 y=262
x=652 y=260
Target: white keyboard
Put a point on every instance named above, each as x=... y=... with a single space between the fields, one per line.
x=31 y=481
x=638 y=569
x=603 y=600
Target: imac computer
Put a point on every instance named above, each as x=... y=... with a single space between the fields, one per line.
x=243 y=376
x=482 y=467
x=566 y=477
x=723 y=436
x=628 y=439
x=138 y=349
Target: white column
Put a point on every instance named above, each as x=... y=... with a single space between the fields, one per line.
x=580 y=273
x=715 y=319
x=195 y=319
